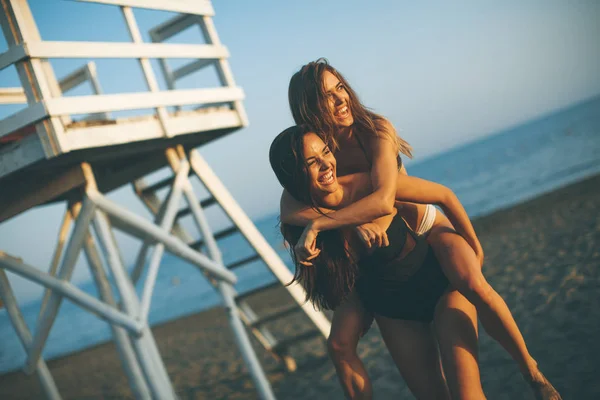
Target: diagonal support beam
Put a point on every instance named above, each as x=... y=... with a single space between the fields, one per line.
x=64 y=273
x=62 y=238
x=255 y=238
x=60 y=288
x=20 y=327
x=173 y=244
x=166 y=224
x=145 y=347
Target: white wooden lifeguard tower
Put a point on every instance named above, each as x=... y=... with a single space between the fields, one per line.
x=48 y=156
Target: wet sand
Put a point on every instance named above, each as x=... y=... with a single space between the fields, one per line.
x=542 y=256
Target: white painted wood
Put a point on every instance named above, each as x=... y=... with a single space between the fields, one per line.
x=166 y=224
x=12 y=96
x=114 y=134
x=132 y=101
x=191 y=68
x=144 y=345
x=237 y=311
x=173 y=244
x=22 y=331
x=70 y=291
x=203 y=122
x=130 y=363
x=64 y=274
x=96 y=88
x=136 y=37
x=52 y=49
x=75 y=78
x=173 y=26
x=223 y=70
x=202 y=223
x=154 y=205
x=114 y=102
x=15 y=53
x=198 y=7
x=147 y=129
x=61 y=239
x=36 y=76
x=34 y=113
x=243 y=341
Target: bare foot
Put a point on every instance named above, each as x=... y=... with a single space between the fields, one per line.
x=542 y=388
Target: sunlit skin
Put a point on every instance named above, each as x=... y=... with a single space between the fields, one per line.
x=462 y=371
x=337 y=100
x=413 y=345
x=460 y=256
x=320 y=166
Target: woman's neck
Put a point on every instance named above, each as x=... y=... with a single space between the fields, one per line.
x=338 y=199
x=344 y=134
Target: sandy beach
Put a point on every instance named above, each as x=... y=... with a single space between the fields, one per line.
x=542 y=256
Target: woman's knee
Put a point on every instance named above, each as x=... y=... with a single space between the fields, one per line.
x=475 y=287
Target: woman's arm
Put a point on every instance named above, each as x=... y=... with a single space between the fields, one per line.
x=380 y=202
x=417 y=190
x=293 y=212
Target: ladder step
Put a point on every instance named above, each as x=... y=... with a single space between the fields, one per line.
x=158 y=185
x=226 y=232
x=282 y=345
x=277 y=315
x=246 y=260
x=259 y=289
x=204 y=203
x=168 y=181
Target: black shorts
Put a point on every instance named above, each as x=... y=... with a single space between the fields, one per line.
x=407 y=289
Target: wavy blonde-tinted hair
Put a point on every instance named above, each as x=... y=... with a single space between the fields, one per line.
x=309 y=105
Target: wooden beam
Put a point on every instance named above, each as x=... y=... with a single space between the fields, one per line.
x=190 y=68
x=173 y=26
x=133 y=101
x=77 y=49
x=34 y=113
x=150 y=128
x=14 y=54
x=197 y=7
x=12 y=96
x=75 y=78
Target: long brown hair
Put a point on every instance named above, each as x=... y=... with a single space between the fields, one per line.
x=308 y=103
x=333 y=275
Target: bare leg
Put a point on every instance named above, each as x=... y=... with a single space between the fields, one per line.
x=413 y=348
x=456 y=327
x=462 y=269
x=347 y=326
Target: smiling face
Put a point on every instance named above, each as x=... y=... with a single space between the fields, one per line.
x=320 y=166
x=338 y=100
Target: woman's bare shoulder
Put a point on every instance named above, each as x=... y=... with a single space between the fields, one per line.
x=358 y=185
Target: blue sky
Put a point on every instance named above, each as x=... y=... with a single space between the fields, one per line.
x=444 y=73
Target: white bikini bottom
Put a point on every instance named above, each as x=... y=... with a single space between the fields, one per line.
x=427 y=221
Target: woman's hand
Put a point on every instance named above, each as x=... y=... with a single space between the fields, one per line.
x=306 y=248
x=372 y=235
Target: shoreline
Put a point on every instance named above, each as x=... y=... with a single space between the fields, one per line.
x=542 y=256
